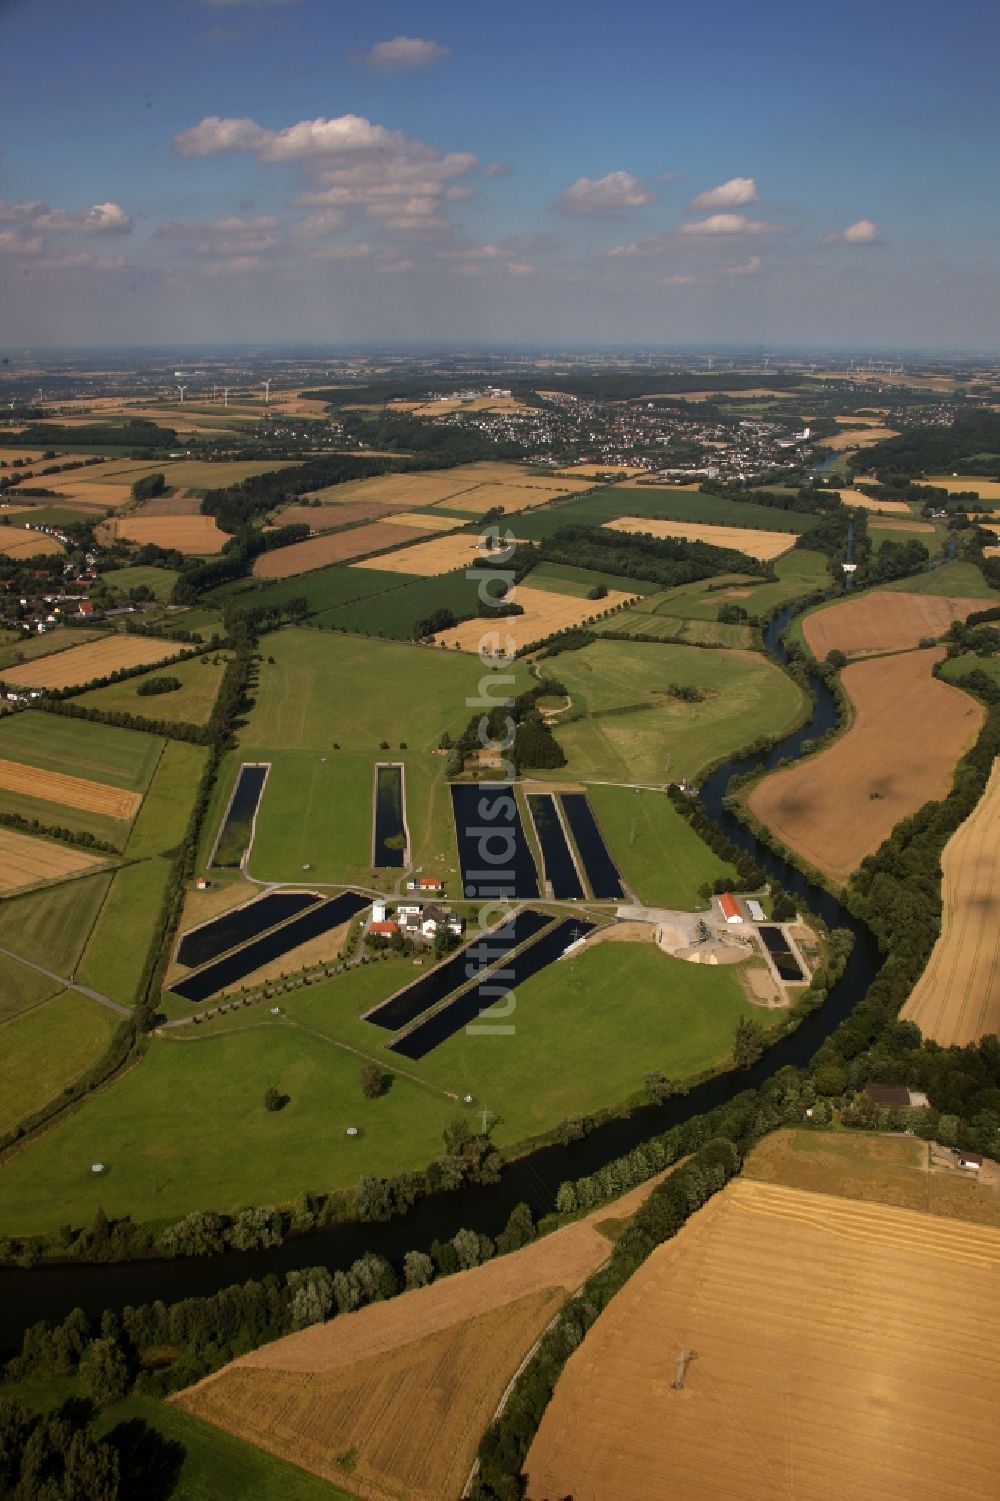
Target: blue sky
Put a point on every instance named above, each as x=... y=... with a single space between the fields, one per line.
x=290 y=170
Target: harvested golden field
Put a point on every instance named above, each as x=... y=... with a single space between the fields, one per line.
x=512 y=498
x=196 y=536
x=985 y=488
x=425 y=521
x=866 y=503
x=180 y=504
x=496 y=472
x=104 y=497
x=957 y=998
x=894 y=524
x=72 y=792
x=861 y=437
x=335 y=547
x=755 y=544
x=882 y=621
x=908 y=733
x=409 y=1385
x=439 y=555
x=901 y=1171
x=544 y=613
x=25 y=861
x=839 y=1350
x=95 y=659
x=478 y=404
x=17 y=542
x=403 y=491
x=593 y=471
x=323 y=518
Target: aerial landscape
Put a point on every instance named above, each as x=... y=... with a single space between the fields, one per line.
x=499 y=754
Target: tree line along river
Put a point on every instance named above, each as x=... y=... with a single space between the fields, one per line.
x=51 y=1291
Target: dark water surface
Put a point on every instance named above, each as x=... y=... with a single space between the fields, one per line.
x=225 y=932
x=601 y=870
x=389 y=822
x=493 y=848
x=50 y=1292
x=556 y=853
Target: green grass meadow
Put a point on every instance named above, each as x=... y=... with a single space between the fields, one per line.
x=632 y=732
x=599 y=506
x=962 y=580
x=50 y=927
x=45 y=1049
x=21 y=988
x=113 y=960
x=192 y=703
x=159 y=580
x=959 y=667
x=187 y=1128
x=99 y=752
x=325 y=687
x=656 y=850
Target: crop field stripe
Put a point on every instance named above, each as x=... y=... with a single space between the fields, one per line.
x=72 y=792
x=454 y=973
x=603 y=874
x=243 y=961
x=466 y=1007
x=210 y=940
x=558 y=858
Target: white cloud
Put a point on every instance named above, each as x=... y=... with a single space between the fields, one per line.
x=16 y=242
x=391 y=268
x=359 y=252
x=519 y=268
x=498 y=169
x=303 y=141
x=862 y=232
x=328 y=221
x=97 y=219
x=197 y=229
x=731 y=224
x=404 y=52
x=604 y=195
x=678 y=281
x=743 y=268
x=237 y=265
x=732 y=194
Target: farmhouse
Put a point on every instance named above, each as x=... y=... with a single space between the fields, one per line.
x=895 y=1097
x=730 y=908
x=424 y=883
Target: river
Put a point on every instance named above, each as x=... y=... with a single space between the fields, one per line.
x=51 y=1291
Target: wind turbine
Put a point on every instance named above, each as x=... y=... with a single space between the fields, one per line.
x=267 y=391
x=182 y=389
x=225 y=396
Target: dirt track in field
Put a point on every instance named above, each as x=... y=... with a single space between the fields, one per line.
x=25 y=861
x=957 y=998
x=71 y=792
x=335 y=547
x=544 y=613
x=95 y=659
x=908 y=733
x=882 y=621
x=840 y=1350
x=755 y=544
x=409 y=1384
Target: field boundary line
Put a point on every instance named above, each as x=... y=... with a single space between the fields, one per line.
x=94 y=995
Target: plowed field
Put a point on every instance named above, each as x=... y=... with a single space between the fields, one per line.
x=410 y=1384
x=883 y=621
x=957 y=998
x=95 y=659
x=909 y=731
x=25 y=861
x=544 y=613
x=756 y=544
x=334 y=547
x=71 y=792
x=839 y=1350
